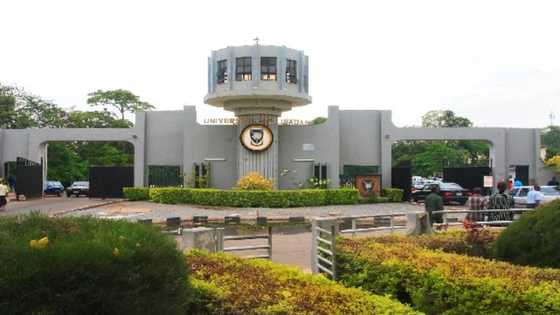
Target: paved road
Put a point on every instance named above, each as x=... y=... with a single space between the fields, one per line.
x=48 y=205
x=159 y=212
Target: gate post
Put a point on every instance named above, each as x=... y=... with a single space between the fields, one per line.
x=318 y=226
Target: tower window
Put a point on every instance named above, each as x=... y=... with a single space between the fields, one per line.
x=291 y=71
x=222 y=71
x=243 y=69
x=268 y=68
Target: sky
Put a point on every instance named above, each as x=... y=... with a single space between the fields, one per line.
x=494 y=62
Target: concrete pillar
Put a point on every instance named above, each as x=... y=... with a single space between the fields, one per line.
x=208 y=239
x=264 y=162
x=139 y=149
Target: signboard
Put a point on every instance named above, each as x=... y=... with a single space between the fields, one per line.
x=368 y=184
x=256 y=137
x=488 y=181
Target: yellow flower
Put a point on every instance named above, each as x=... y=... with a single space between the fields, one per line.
x=116 y=252
x=39 y=244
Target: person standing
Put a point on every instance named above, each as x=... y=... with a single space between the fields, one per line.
x=434 y=202
x=476 y=202
x=3 y=195
x=553 y=182
x=534 y=197
x=498 y=201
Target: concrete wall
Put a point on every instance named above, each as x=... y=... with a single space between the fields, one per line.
x=164 y=138
x=325 y=139
x=348 y=137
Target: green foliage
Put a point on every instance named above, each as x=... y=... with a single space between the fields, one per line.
x=444 y=119
x=319 y=120
x=136 y=193
x=122 y=100
x=393 y=194
x=443 y=283
x=254 y=198
x=88 y=266
x=428 y=158
x=533 y=239
x=224 y=284
x=551 y=141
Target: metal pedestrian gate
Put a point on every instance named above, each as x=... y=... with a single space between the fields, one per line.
x=109 y=181
x=29 y=178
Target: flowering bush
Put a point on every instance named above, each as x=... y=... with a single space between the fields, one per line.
x=554 y=162
x=443 y=283
x=88 y=266
x=224 y=284
x=254 y=181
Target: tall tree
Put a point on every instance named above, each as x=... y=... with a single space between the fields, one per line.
x=123 y=101
x=444 y=119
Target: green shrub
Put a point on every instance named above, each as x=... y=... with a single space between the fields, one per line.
x=342 y=196
x=254 y=198
x=442 y=283
x=88 y=266
x=224 y=284
x=476 y=243
x=135 y=193
x=534 y=239
x=171 y=195
x=393 y=194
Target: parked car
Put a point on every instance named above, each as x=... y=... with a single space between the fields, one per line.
x=520 y=194
x=54 y=188
x=450 y=192
x=77 y=189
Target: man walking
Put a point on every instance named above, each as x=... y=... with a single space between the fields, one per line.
x=534 y=197
x=476 y=202
x=501 y=200
x=434 y=202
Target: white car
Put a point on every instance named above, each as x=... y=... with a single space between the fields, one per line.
x=520 y=194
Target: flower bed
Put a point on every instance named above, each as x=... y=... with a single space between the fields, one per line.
x=224 y=284
x=436 y=282
x=88 y=266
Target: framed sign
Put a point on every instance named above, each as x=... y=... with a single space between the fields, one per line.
x=368 y=184
x=488 y=181
x=256 y=137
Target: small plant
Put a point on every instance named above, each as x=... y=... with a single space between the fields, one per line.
x=314 y=182
x=254 y=181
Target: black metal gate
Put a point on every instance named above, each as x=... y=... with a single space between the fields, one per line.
x=467 y=177
x=108 y=181
x=29 y=178
x=401 y=177
x=522 y=173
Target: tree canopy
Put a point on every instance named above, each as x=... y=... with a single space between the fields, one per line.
x=444 y=119
x=123 y=101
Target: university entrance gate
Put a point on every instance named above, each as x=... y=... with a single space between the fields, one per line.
x=109 y=181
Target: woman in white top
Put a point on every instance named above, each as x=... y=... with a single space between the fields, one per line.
x=3 y=194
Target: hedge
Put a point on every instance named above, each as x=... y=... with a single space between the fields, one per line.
x=225 y=284
x=476 y=243
x=443 y=283
x=532 y=240
x=134 y=193
x=249 y=198
x=89 y=266
x=393 y=194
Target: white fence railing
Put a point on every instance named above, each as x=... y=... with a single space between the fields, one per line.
x=267 y=246
x=489 y=220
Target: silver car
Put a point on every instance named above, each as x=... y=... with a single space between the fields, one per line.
x=520 y=194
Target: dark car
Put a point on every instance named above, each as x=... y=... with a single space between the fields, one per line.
x=54 y=188
x=77 y=189
x=450 y=192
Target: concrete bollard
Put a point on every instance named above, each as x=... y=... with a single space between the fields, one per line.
x=208 y=239
x=418 y=223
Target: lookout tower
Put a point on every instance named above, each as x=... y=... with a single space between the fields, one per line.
x=257 y=83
